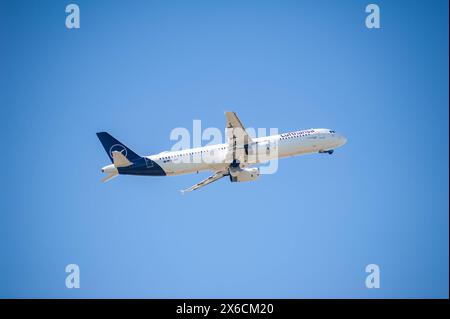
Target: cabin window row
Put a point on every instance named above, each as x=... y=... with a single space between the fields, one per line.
x=191 y=153
x=294 y=136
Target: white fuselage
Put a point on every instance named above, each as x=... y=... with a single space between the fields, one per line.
x=215 y=157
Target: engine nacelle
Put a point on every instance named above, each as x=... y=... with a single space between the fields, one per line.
x=244 y=174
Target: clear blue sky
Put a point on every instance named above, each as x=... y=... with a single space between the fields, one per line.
x=138 y=69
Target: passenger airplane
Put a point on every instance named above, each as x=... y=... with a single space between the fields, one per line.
x=233 y=159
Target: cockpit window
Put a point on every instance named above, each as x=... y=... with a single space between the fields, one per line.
x=332 y=132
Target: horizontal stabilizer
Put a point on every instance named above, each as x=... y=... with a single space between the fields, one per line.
x=110 y=176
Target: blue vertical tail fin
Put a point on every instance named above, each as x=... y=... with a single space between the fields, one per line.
x=110 y=144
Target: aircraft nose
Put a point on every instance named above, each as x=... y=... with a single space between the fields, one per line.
x=342 y=139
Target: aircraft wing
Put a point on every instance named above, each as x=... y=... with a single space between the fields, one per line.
x=237 y=130
x=238 y=138
x=216 y=176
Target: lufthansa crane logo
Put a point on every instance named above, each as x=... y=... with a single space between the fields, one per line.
x=118 y=148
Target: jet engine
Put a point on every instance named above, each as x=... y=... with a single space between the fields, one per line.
x=244 y=174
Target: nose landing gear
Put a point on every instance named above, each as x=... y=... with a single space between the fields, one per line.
x=329 y=152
